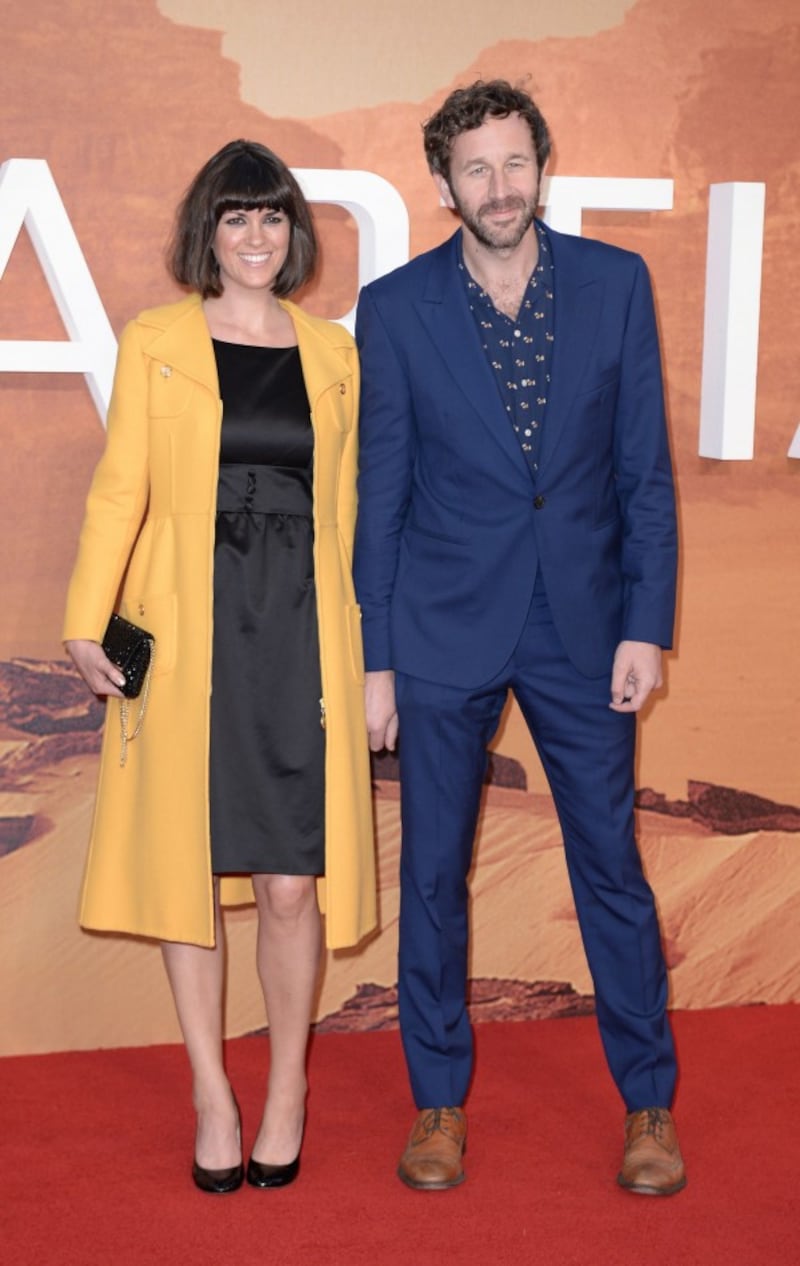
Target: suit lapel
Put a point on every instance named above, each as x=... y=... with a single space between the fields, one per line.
x=445 y=313
x=579 y=298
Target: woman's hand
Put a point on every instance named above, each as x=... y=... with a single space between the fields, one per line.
x=101 y=676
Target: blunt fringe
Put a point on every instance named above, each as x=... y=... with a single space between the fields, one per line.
x=242 y=176
x=468 y=108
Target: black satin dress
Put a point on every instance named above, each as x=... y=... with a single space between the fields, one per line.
x=267 y=743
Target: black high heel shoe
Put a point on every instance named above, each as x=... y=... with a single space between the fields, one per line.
x=264 y=1176
x=218 y=1181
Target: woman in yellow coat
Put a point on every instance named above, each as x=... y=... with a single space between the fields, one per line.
x=178 y=517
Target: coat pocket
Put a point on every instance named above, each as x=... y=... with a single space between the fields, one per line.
x=355 y=641
x=158 y=614
x=169 y=393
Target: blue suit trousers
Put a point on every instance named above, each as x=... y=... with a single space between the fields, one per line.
x=587 y=752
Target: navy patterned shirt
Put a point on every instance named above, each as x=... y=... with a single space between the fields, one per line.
x=520 y=351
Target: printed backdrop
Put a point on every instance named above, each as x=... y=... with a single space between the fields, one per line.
x=124 y=102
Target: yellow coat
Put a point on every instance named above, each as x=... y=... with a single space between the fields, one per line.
x=148 y=536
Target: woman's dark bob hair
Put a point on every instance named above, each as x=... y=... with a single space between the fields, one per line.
x=242 y=176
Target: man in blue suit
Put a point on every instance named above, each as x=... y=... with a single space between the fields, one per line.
x=516 y=532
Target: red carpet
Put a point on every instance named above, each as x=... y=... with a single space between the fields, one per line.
x=95 y=1151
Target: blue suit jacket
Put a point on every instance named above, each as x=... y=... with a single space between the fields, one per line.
x=451 y=525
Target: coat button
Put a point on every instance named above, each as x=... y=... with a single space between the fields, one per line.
x=342 y=388
x=538 y=502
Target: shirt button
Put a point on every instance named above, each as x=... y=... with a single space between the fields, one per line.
x=538 y=502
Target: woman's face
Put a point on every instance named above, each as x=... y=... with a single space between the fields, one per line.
x=251 y=247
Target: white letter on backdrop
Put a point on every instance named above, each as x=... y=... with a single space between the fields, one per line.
x=564 y=198
x=377 y=209
x=28 y=195
x=730 y=334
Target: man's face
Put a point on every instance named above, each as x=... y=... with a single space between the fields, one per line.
x=494 y=181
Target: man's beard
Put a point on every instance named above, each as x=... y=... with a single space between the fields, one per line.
x=499 y=237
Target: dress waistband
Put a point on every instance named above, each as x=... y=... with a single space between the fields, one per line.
x=264 y=490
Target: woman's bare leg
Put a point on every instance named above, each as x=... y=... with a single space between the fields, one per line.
x=196 y=977
x=288 y=958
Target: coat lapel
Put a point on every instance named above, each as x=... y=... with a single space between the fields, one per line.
x=184 y=343
x=578 y=306
x=323 y=364
x=445 y=313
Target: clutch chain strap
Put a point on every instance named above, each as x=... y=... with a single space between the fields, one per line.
x=124 y=711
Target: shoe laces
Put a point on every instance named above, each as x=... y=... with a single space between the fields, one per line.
x=439 y=1119
x=656 y=1119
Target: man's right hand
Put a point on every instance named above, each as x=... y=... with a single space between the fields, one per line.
x=381 y=710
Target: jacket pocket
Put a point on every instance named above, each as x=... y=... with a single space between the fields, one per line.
x=607 y=380
x=158 y=615
x=424 y=536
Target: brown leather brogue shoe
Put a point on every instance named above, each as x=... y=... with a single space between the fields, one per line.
x=432 y=1159
x=652 y=1164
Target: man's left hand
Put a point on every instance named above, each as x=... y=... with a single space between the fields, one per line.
x=636 y=671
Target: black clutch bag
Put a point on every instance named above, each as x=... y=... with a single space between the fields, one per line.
x=131 y=649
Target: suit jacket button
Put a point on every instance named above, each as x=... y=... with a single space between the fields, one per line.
x=538 y=502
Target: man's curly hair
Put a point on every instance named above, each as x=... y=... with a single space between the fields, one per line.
x=468 y=108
